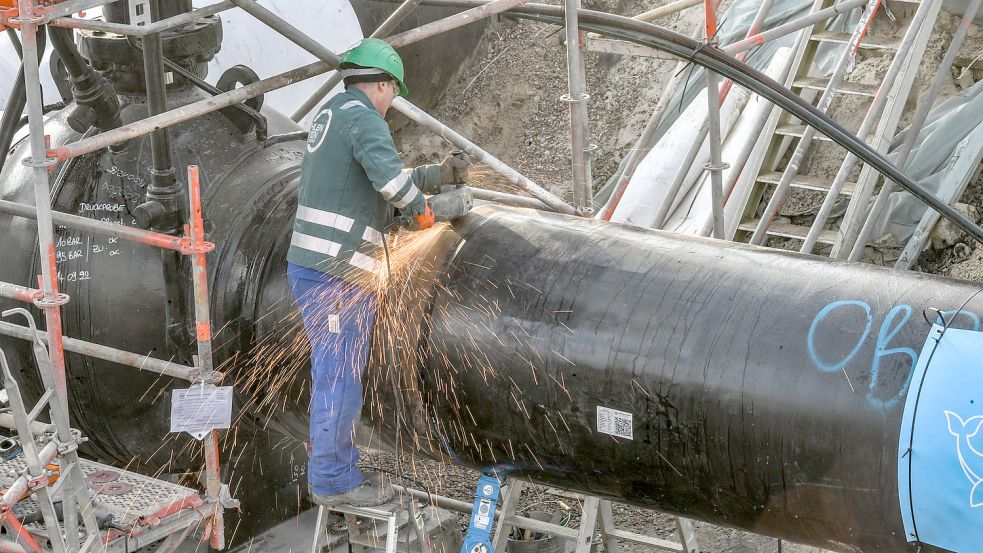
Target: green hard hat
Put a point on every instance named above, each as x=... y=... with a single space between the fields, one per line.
x=377 y=54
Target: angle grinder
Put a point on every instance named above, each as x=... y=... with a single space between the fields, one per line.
x=446 y=206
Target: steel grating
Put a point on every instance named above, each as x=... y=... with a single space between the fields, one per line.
x=127 y=496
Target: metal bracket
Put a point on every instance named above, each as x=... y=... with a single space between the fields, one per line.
x=65 y=448
x=37 y=482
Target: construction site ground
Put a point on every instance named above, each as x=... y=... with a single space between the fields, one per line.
x=295 y=536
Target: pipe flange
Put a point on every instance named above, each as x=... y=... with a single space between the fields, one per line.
x=569 y=99
x=44 y=163
x=711 y=167
x=188 y=246
x=191 y=46
x=57 y=300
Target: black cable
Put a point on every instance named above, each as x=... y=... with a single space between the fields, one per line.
x=394 y=380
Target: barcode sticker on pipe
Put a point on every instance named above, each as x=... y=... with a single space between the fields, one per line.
x=614 y=422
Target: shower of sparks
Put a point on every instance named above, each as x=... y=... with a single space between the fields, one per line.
x=429 y=336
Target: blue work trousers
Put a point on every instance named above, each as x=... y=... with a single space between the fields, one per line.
x=338 y=318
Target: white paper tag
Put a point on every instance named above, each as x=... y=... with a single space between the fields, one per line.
x=201 y=409
x=334 y=324
x=614 y=422
x=483 y=519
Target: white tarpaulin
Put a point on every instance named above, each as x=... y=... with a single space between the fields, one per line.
x=945 y=156
x=246 y=41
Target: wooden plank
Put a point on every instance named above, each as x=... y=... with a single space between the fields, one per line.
x=854 y=89
x=870 y=42
x=788 y=230
x=807 y=182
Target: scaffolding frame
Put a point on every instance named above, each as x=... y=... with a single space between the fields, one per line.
x=29 y=15
x=49 y=299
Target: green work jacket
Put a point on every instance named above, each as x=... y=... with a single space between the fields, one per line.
x=351 y=180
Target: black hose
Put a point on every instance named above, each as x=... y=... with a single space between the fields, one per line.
x=16 y=102
x=63 y=41
x=287 y=137
x=716 y=60
x=97 y=103
x=12 y=34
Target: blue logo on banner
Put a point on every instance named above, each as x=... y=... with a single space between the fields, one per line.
x=940 y=454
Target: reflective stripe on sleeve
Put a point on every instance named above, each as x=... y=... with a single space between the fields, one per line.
x=351 y=104
x=407 y=198
x=395 y=185
x=372 y=235
x=325 y=218
x=315 y=244
x=366 y=263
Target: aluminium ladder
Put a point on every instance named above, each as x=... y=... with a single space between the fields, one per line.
x=776 y=174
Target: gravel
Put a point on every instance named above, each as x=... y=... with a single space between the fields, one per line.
x=459 y=483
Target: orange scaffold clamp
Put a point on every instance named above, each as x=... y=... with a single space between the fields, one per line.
x=8 y=11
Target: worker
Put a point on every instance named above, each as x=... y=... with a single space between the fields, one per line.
x=351 y=181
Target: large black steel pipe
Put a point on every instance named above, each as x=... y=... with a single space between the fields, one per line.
x=750 y=387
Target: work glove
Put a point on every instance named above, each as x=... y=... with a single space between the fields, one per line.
x=422 y=221
x=454 y=169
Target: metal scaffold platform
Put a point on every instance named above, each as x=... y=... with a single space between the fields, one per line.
x=132 y=510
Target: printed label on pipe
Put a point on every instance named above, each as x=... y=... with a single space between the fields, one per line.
x=201 y=409
x=614 y=422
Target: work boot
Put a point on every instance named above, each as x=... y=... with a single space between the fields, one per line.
x=369 y=493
